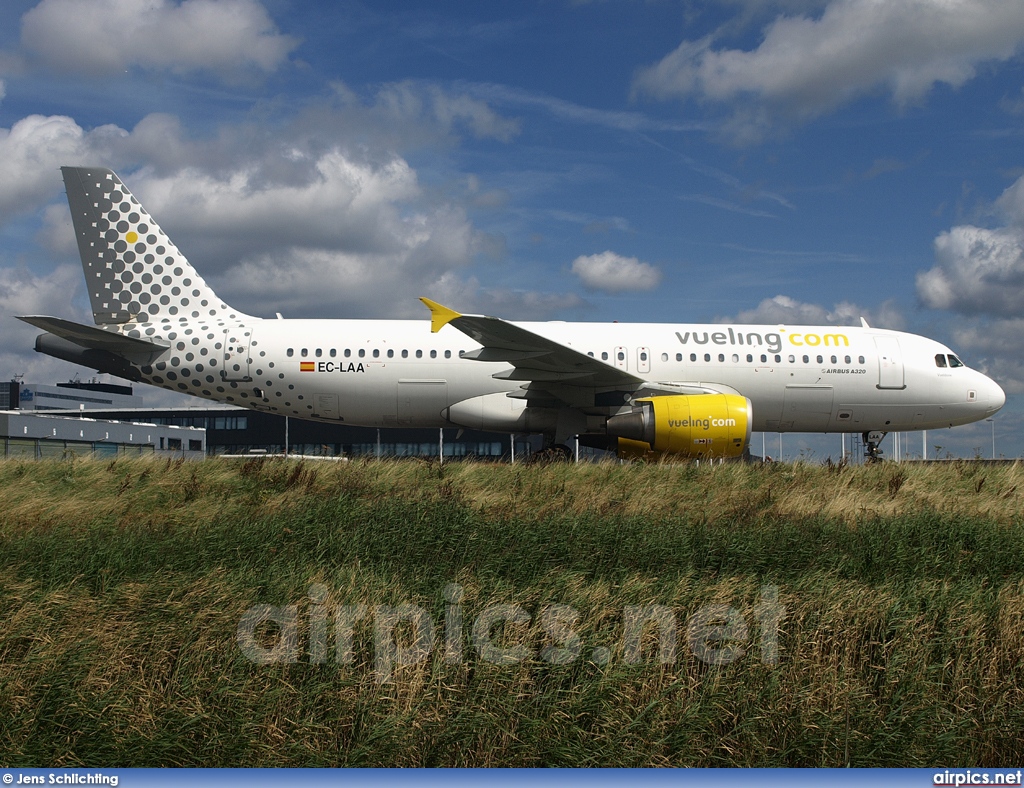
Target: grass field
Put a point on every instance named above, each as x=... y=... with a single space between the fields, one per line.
x=897 y=635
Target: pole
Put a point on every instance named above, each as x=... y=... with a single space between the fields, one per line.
x=577 y=448
x=378 y=443
x=512 y=442
x=285 y=436
x=924 y=444
x=440 y=446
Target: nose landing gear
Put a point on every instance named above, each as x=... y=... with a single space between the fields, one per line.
x=872 y=450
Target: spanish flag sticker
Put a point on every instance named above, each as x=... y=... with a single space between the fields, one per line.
x=307 y=366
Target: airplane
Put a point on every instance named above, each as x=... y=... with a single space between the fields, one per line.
x=639 y=390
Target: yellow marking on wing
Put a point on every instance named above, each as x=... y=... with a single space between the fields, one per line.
x=440 y=316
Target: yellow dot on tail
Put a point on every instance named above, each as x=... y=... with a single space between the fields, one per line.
x=132 y=237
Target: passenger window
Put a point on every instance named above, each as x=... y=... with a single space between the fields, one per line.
x=750 y=358
x=778 y=359
x=792 y=359
x=590 y=353
x=643 y=356
x=447 y=354
x=664 y=356
x=348 y=352
x=405 y=354
x=835 y=360
x=707 y=356
x=621 y=356
x=847 y=359
x=362 y=353
x=291 y=352
x=604 y=356
x=693 y=357
x=419 y=354
x=304 y=353
x=721 y=356
x=860 y=359
x=764 y=359
x=954 y=361
x=820 y=359
x=391 y=353
x=319 y=352
x=334 y=353
x=376 y=353
x=679 y=356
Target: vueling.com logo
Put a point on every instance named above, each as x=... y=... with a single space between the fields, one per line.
x=501 y=634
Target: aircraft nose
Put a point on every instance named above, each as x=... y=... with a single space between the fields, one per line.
x=991 y=395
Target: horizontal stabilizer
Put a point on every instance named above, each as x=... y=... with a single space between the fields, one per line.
x=141 y=351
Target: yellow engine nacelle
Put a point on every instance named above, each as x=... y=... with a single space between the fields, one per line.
x=701 y=425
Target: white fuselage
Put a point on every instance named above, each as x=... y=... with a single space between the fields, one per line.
x=397 y=373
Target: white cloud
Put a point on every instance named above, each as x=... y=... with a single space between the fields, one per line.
x=806 y=66
x=101 y=37
x=784 y=310
x=979 y=270
x=33 y=150
x=613 y=273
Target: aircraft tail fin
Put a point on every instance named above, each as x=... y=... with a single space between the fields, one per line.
x=133 y=272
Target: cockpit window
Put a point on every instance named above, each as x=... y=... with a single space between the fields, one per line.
x=954 y=361
x=940 y=360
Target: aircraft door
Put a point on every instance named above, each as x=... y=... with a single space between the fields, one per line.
x=890 y=363
x=421 y=401
x=621 y=359
x=236 y=353
x=643 y=359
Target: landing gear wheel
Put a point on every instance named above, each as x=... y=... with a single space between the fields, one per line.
x=872 y=451
x=556 y=453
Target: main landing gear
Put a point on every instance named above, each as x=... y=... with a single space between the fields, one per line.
x=555 y=453
x=872 y=451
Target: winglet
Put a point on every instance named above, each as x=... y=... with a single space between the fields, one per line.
x=440 y=316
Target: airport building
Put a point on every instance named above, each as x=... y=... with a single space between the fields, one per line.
x=43 y=421
x=227 y=429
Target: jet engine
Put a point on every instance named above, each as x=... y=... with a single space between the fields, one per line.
x=699 y=425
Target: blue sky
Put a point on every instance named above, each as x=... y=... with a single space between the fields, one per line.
x=792 y=161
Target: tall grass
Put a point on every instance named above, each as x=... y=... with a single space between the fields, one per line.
x=123 y=585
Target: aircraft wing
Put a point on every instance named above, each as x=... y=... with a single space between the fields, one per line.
x=536 y=360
